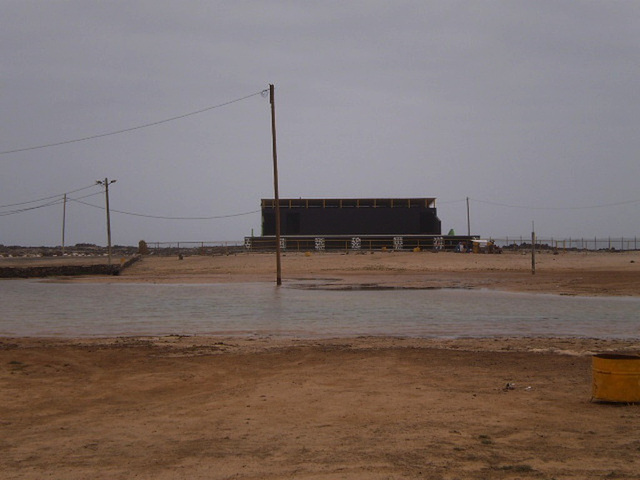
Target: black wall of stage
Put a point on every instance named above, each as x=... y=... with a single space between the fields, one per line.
x=352 y=221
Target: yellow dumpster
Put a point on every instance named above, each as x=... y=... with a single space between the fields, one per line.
x=616 y=377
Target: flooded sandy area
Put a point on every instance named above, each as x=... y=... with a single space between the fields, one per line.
x=307 y=308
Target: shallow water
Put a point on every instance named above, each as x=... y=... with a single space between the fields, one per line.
x=34 y=308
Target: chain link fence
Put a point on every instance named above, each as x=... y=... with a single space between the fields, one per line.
x=195 y=248
x=582 y=243
x=395 y=243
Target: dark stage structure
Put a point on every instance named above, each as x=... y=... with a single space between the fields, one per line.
x=352 y=224
x=388 y=216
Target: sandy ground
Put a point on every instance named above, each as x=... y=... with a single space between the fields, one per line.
x=359 y=408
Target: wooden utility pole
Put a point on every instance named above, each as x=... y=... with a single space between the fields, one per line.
x=106 y=189
x=64 y=218
x=275 y=184
x=106 y=183
x=468 y=220
x=533 y=249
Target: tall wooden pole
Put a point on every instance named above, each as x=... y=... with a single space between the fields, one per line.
x=533 y=249
x=64 y=218
x=468 y=220
x=275 y=184
x=106 y=191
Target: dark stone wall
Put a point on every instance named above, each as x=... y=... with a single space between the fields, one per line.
x=65 y=270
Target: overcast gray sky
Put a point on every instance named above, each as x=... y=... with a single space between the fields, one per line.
x=530 y=108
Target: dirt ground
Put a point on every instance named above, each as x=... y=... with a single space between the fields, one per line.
x=352 y=408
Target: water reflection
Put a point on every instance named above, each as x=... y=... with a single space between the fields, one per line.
x=59 y=309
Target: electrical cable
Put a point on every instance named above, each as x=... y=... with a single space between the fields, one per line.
x=21 y=210
x=138 y=127
x=84 y=196
x=616 y=204
x=58 y=201
x=164 y=217
x=47 y=198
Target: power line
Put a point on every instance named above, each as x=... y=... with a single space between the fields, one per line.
x=46 y=198
x=85 y=196
x=606 y=205
x=21 y=210
x=58 y=200
x=164 y=217
x=146 y=125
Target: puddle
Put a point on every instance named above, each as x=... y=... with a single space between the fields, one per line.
x=304 y=308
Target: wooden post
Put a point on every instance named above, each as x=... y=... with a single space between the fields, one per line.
x=106 y=189
x=275 y=183
x=468 y=220
x=106 y=183
x=64 y=218
x=533 y=250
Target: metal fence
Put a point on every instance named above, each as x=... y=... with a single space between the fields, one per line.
x=195 y=248
x=582 y=243
x=395 y=243
x=302 y=243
